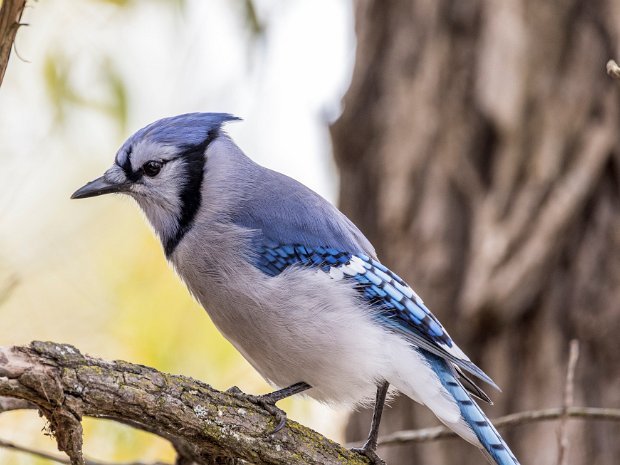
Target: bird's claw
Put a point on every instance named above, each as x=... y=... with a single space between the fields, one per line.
x=371 y=454
x=278 y=414
x=265 y=402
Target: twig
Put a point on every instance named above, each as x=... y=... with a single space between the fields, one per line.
x=37 y=453
x=515 y=419
x=613 y=70
x=55 y=458
x=7 y=288
x=569 y=394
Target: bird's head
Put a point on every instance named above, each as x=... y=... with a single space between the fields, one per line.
x=162 y=166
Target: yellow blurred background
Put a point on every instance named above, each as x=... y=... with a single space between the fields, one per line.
x=83 y=76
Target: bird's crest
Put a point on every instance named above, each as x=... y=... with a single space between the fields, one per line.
x=183 y=131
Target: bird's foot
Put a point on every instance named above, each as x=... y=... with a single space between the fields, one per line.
x=370 y=453
x=266 y=402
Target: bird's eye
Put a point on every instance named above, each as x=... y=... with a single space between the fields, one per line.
x=152 y=168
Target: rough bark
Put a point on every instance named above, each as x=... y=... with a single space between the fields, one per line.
x=10 y=15
x=205 y=426
x=479 y=151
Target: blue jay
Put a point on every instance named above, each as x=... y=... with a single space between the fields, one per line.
x=291 y=282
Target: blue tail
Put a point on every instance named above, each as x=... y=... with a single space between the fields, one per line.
x=494 y=447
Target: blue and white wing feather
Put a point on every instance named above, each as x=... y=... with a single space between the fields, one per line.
x=398 y=306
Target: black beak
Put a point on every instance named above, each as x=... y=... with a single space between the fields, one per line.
x=99 y=187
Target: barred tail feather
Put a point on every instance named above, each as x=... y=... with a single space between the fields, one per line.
x=472 y=417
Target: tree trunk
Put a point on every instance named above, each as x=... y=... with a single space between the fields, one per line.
x=10 y=15
x=479 y=150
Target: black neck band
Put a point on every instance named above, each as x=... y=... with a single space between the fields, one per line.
x=193 y=159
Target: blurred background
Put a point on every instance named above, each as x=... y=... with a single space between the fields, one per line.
x=475 y=143
x=84 y=76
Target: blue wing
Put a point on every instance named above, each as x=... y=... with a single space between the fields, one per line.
x=294 y=226
x=282 y=211
x=399 y=307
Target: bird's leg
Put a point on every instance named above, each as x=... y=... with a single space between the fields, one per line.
x=369 y=449
x=268 y=401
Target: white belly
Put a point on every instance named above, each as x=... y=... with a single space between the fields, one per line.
x=301 y=326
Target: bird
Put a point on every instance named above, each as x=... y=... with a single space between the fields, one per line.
x=292 y=283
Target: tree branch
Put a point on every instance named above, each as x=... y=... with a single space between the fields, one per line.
x=55 y=458
x=8 y=403
x=515 y=419
x=569 y=395
x=206 y=425
x=10 y=14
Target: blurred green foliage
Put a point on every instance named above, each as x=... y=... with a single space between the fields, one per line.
x=62 y=93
